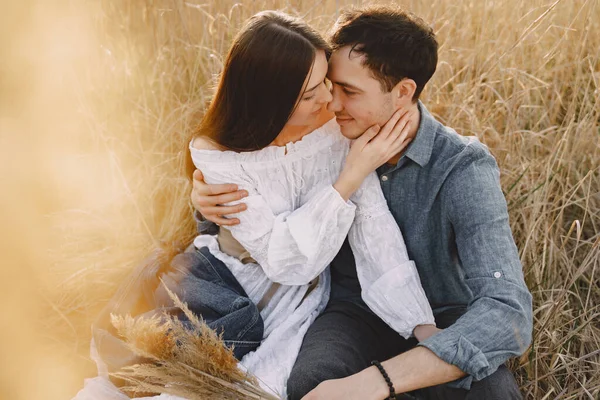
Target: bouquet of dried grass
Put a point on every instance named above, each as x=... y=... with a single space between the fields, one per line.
x=190 y=364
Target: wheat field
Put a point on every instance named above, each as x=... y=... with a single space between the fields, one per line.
x=98 y=100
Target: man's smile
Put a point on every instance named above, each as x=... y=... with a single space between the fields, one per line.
x=342 y=120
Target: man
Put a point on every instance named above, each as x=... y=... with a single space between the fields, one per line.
x=445 y=195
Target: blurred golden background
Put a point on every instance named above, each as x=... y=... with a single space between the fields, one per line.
x=98 y=100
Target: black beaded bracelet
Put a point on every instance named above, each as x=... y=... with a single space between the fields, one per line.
x=387 y=379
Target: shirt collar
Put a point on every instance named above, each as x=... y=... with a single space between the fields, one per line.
x=421 y=147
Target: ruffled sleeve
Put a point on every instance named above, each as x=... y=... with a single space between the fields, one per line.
x=390 y=282
x=292 y=247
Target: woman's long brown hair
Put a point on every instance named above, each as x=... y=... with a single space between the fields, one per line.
x=261 y=82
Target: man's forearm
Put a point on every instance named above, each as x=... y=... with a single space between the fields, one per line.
x=415 y=369
x=419 y=368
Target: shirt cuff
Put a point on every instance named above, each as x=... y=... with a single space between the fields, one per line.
x=455 y=349
x=398 y=298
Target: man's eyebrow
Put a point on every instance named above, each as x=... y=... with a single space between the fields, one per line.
x=346 y=85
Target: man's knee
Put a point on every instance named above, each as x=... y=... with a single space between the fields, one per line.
x=308 y=373
x=499 y=385
x=301 y=382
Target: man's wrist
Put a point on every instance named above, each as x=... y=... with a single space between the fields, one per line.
x=371 y=378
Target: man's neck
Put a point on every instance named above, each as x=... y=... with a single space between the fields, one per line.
x=414 y=128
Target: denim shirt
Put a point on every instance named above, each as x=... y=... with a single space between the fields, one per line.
x=445 y=195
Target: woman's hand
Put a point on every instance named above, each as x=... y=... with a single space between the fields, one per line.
x=207 y=199
x=373 y=149
x=423 y=332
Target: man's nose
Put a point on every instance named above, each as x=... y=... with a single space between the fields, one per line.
x=335 y=105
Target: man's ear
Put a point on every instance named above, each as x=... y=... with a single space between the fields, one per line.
x=403 y=92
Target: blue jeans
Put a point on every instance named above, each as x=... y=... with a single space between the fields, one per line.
x=207 y=286
x=212 y=292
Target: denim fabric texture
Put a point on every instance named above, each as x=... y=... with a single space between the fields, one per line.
x=209 y=289
x=212 y=292
x=445 y=195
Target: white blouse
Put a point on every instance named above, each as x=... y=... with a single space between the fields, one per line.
x=294 y=225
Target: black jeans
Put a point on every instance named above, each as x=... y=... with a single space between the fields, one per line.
x=344 y=340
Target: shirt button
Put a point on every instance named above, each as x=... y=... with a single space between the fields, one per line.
x=384 y=178
x=497 y=274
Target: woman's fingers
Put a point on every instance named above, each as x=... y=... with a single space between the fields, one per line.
x=368 y=135
x=402 y=127
x=390 y=126
x=402 y=141
x=398 y=140
x=207 y=199
x=405 y=129
x=399 y=145
x=198 y=176
x=204 y=189
x=223 y=221
x=221 y=211
x=202 y=201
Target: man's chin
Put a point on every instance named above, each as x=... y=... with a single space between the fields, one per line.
x=348 y=127
x=350 y=131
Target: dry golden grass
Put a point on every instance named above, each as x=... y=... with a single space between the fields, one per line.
x=97 y=103
x=194 y=365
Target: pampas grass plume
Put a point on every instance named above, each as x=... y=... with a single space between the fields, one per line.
x=190 y=363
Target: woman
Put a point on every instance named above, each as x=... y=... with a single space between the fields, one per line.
x=267 y=130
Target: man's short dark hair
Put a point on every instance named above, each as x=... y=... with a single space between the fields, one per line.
x=396 y=44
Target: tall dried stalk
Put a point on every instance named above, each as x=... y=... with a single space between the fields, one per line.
x=104 y=96
x=189 y=362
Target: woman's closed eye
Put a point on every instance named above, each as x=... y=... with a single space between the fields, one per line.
x=312 y=95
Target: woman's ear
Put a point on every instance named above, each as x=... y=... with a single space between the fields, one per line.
x=403 y=92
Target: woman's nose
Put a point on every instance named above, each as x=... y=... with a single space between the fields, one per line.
x=326 y=96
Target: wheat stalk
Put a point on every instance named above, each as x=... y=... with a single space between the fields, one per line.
x=190 y=363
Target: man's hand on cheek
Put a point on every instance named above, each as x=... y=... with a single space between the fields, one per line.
x=208 y=200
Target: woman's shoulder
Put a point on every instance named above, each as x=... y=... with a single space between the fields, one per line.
x=207 y=152
x=204 y=143
x=326 y=135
